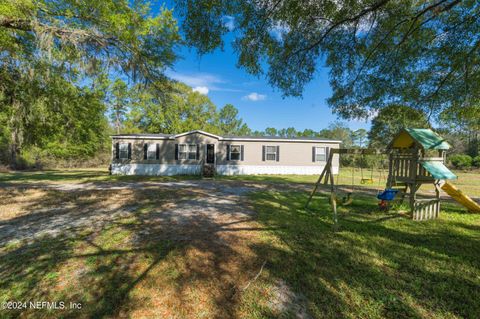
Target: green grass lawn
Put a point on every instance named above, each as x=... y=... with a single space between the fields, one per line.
x=349 y=178
x=378 y=265
x=80 y=176
x=468 y=181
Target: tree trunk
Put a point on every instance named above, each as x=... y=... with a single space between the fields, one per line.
x=117 y=124
x=473 y=143
x=15 y=149
x=117 y=119
x=16 y=135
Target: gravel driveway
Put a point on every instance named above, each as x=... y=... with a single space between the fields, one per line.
x=58 y=209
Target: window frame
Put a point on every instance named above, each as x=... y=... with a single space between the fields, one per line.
x=318 y=154
x=120 y=150
x=239 y=152
x=154 y=151
x=270 y=153
x=187 y=151
x=180 y=152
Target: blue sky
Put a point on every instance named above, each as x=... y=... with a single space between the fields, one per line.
x=258 y=103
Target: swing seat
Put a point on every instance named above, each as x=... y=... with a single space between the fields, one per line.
x=388 y=194
x=366 y=181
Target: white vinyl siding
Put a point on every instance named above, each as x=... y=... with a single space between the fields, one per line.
x=320 y=154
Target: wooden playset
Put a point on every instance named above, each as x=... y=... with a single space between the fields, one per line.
x=415 y=157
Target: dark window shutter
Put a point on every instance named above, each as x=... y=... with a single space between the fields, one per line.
x=145 y=150
x=117 y=150
x=313 y=154
x=176 y=151
x=241 y=152
x=157 y=156
x=198 y=152
x=129 y=150
x=278 y=153
x=228 y=152
x=263 y=153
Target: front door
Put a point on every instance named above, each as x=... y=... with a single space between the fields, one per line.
x=210 y=153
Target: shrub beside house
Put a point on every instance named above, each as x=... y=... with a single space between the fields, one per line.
x=464 y=161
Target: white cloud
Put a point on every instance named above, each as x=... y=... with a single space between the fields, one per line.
x=197 y=79
x=202 y=81
x=201 y=89
x=229 y=22
x=254 y=97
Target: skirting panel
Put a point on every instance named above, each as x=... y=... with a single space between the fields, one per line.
x=155 y=169
x=270 y=170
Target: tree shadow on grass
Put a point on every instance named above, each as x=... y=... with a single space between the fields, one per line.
x=32 y=273
x=49 y=176
x=391 y=268
x=46 y=177
x=149 y=252
x=190 y=252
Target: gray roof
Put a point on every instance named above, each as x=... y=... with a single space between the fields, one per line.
x=228 y=137
x=269 y=137
x=143 y=135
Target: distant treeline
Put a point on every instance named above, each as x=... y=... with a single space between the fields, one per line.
x=337 y=130
x=52 y=122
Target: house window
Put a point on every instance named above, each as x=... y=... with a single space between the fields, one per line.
x=152 y=151
x=320 y=154
x=271 y=153
x=235 y=151
x=123 y=150
x=187 y=151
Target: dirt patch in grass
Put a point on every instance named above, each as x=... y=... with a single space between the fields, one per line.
x=189 y=249
x=160 y=250
x=285 y=301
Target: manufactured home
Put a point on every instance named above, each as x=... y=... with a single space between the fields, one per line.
x=199 y=152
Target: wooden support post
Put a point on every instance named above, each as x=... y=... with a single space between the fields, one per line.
x=396 y=169
x=413 y=181
x=326 y=180
x=327 y=176
x=333 y=201
x=437 y=196
x=323 y=175
x=390 y=178
x=332 y=179
x=315 y=188
x=413 y=197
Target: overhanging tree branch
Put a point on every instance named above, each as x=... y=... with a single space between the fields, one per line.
x=337 y=24
x=432 y=7
x=75 y=36
x=410 y=31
